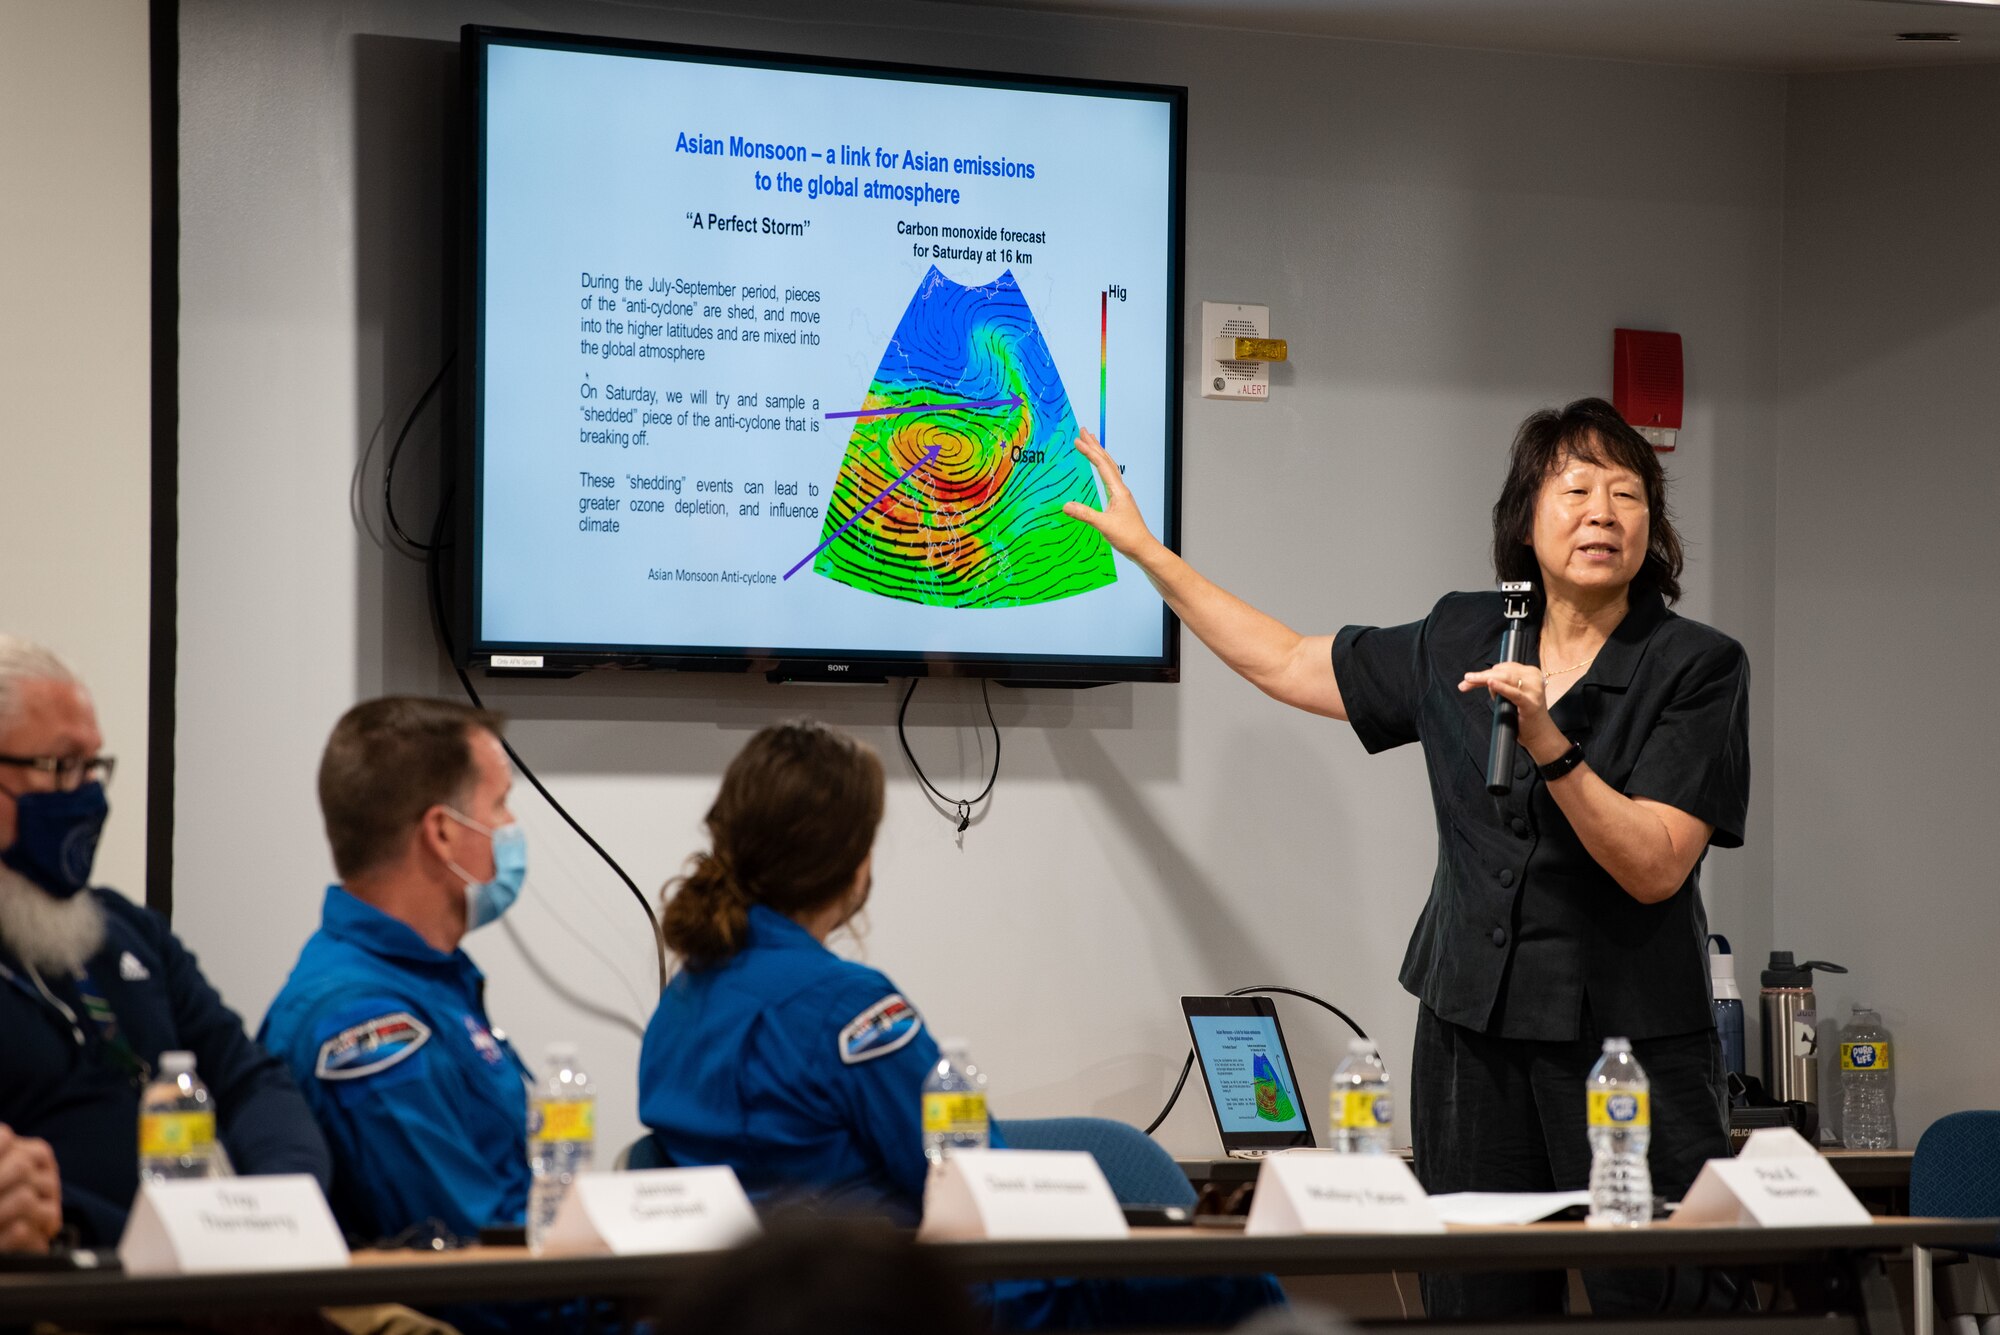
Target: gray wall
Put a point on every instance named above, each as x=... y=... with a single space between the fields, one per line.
x=1886 y=742
x=75 y=370
x=1447 y=238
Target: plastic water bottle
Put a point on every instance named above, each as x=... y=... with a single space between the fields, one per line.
x=954 y=1103
x=1867 y=1114
x=177 y=1124
x=1728 y=1002
x=562 y=1137
x=1363 y=1114
x=1621 y=1131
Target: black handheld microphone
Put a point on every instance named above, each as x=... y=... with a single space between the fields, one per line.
x=1506 y=718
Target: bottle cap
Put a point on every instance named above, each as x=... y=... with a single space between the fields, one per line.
x=954 y=1047
x=562 y=1054
x=1361 y=1047
x=1617 y=1045
x=1722 y=971
x=1784 y=972
x=176 y=1063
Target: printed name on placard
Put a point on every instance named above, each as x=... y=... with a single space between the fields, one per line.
x=665 y=1200
x=1782 y=1182
x=245 y=1216
x=1362 y=1198
x=995 y=1182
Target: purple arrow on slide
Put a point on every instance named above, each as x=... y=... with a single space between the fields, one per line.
x=930 y=408
x=931 y=454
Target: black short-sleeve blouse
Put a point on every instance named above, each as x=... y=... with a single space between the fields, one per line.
x=1523 y=929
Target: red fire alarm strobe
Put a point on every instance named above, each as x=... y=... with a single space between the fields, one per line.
x=1646 y=383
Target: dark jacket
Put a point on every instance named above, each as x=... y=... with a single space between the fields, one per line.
x=1524 y=930
x=61 y=1080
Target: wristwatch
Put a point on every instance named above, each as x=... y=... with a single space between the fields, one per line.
x=1563 y=763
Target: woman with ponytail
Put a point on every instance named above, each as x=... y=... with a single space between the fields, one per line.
x=799 y=1069
x=804 y=1071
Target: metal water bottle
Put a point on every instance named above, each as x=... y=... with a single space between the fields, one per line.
x=1790 y=1013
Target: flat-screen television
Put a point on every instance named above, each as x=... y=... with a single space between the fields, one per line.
x=777 y=364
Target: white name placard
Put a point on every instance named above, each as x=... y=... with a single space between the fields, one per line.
x=209 y=1225
x=654 y=1210
x=1319 y=1191
x=1017 y=1194
x=1777 y=1181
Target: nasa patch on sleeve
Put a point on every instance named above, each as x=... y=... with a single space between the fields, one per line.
x=882 y=1028
x=371 y=1047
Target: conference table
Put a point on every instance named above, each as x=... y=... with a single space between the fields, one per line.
x=1846 y=1264
x=1880 y=1179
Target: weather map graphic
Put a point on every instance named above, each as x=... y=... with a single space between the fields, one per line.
x=1273 y=1103
x=951 y=489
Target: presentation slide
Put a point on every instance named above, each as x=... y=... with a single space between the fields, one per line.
x=1247 y=1073
x=780 y=360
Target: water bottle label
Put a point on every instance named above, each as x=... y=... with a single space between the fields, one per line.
x=954 y=1114
x=1620 y=1108
x=566 y=1119
x=175 y=1135
x=1864 y=1056
x=1359 y=1110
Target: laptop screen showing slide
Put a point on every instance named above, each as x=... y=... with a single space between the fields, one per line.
x=1248 y=1074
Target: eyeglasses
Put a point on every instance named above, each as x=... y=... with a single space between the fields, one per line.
x=69 y=772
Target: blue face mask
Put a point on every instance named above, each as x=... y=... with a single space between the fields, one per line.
x=55 y=837
x=485 y=901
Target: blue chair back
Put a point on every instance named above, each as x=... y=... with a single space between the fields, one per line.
x=1955 y=1173
x=1139 y=1171
x=645 y=1152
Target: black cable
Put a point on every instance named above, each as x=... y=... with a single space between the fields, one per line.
x=444 y=634
x=964 y=805
x=1188 y=1065
x=396 y=450
x=1174 y=1097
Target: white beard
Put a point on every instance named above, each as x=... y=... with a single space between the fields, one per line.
x=54 y=936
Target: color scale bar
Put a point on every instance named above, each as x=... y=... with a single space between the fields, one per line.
x=1103 y=356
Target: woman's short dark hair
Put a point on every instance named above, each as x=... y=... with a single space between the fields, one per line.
x=1590 y=431
x=791 y=826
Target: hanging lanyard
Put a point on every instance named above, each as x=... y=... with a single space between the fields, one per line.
x=105 y=1020
x=102 y=1018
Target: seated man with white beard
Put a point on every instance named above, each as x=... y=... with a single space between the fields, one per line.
x=94 y=988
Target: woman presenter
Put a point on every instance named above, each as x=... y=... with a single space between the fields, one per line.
x=1570 y=909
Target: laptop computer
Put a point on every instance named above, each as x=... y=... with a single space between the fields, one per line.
x=1252 y=1088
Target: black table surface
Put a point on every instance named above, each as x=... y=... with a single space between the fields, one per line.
x=508 y=1274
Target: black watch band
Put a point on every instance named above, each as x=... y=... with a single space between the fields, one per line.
x=1563 y=763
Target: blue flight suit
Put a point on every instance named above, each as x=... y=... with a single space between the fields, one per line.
x=801 y=1070
x=804 y=1073
x=65 y=1079
x=424 y=1106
